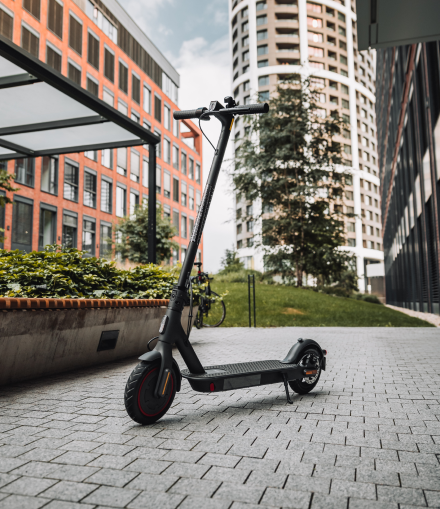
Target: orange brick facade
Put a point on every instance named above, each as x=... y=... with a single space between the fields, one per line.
x=183 y=197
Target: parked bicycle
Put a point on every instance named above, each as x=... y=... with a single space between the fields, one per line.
x=212 y=311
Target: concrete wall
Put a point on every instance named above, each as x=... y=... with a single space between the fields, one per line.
x=40 y=342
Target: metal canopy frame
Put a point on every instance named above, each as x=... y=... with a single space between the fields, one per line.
x=36 y=71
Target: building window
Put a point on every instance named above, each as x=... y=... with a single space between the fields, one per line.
x=175 y=128
x=92 y=86
x=191 y=225
x=351 y=242
x=263 y=81
x=245 y=26
x=90 y=189
x=158 y=180
x=239 y=244
x=122 y=161
x=109 y=65
x=158 y=108
x=6 y=24
x=198 y=200
x=135 y=163
x=145 y=171
x=191 y=198
x=75 y=34
x=70 y=230
x=93 y=50
x=261 y=35
x=262 y=63
x=134 y=202
x=183 y=162
x=49 y=175
x=176 y=190
x=53 y=58
x=166 y=184
x=183 y=194
x=121 y=201
x=106 y=195
x=55 y=18
x=191 y=169
x=32 y=6
x=315 y=22
x=105 y=241
x=159 y=145
x=316 y=52
x=176 y=221
x=261 y=20
x=30 y=42
x=135 y=89
x=175 y=157
x=166 y=117
x=74 y=73
x=262 y=50
x=261 y=5
x=48 y=227
x=183 y=227
x=147 y=100
x=263 y=96
x=245 y=56
x=167 y=151
x=71 y=178
x=107 y=158
x=24 y=171
x=88 y=239
x=22 y=214
x=198 y=173
x=123 y=77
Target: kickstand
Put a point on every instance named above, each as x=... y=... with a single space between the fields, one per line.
x=287 y=389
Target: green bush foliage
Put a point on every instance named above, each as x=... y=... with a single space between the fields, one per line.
x=60 y=272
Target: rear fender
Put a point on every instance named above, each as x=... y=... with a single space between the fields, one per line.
x=295 y=353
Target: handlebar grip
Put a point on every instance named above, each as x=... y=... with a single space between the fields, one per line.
x=258 y=108
x=188 y=114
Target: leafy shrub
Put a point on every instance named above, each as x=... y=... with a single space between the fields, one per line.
x=68 y=273
x=239 y=276
x=368 y=298
x=339 y=291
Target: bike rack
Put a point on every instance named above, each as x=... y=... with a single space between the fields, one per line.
x=251 y=285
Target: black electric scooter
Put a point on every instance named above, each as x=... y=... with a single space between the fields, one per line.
x=152 y=385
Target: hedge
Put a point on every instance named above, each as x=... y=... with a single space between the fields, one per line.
x=60 y=272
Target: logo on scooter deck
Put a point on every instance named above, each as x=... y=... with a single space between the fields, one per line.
x=201 y=217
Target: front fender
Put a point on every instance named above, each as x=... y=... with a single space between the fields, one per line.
x=298 y=348
x=154 y=356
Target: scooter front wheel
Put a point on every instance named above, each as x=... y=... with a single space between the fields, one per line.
x=141 y=404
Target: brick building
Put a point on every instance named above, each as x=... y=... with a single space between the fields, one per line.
x=74 y=199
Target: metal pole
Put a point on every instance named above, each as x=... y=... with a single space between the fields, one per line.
x=249 y=299
x=253 y=283
x=152 y=204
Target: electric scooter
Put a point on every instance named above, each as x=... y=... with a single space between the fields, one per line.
x=152 y=385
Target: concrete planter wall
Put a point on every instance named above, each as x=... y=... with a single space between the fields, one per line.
x=45 y=336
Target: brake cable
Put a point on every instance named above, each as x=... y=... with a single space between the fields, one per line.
x=200 y=127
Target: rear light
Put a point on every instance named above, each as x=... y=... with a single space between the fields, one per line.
x=324 y=352
x=211 y=387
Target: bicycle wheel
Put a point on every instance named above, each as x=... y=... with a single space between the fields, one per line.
x=214 y=312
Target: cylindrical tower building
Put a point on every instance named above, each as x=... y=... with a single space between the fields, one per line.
x=271 y=39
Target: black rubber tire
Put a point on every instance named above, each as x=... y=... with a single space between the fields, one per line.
x=301 y=386
x=222 y=319
x=140 y=403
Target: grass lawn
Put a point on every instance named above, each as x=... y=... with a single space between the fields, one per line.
x=286 y=306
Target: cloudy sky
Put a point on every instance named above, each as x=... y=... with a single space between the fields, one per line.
x=193 y=35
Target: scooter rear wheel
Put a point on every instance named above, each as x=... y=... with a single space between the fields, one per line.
x=308 y=383
x=141 y=404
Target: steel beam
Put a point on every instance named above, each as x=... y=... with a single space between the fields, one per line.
x=58 y=124
x=152 y=204
x=18 y=80
x=16 y=148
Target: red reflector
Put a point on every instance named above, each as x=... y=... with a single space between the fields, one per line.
x=212 y=387
x=325 y=352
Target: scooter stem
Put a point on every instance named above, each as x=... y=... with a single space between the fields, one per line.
x=171 y=330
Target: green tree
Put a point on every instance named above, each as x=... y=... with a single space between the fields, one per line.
x=230 y=262
x=132 y=236
x=289 y=159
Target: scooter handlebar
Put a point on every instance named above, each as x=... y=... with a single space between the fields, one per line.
x=249 y=109
x=188 y=114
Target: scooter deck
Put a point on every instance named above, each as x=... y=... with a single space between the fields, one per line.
x=228 y=377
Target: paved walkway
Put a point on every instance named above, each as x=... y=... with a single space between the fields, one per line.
x=367 y=437
x=428 y=317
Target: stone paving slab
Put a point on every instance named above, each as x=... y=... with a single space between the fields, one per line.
x=367 y=437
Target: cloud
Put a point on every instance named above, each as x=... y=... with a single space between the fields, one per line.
x=205 y=76
x=146 y=12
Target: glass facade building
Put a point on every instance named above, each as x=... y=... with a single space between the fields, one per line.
x=408 y=108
